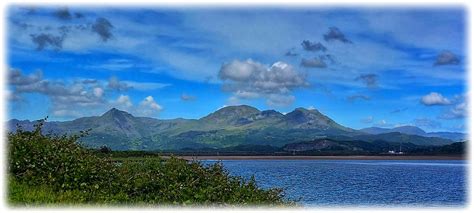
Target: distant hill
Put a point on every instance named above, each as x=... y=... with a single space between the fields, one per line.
x=413 y=130
x=334 y=147
x=232 y=126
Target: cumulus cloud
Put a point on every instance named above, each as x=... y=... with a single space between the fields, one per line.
x=44 y=40
x=433 y=99
x=249 y=79
x=16 y=77
x=61 y=29
x=148 y=107
x=310 y=46
x=458 y=111
x=335 y=34
x=64 y=97
x=316 y=62
x=446 y=58
x=370 y=80
x=246 y=94
x=122 y=102
x=115 y=84
x=74 y=98
x=103 y=28
x=358 y=97
x=98 y=92
x=186 y=97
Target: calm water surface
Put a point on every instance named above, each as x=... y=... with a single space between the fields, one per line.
x=361 y=182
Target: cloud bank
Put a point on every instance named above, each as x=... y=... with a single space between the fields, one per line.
x=434 y=99
x=249 y=79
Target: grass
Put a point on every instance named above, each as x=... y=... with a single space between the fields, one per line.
x=20 y=193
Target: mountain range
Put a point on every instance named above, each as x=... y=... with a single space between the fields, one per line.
x=413 y=130
x=227 y=127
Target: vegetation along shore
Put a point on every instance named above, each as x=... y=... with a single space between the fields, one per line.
x=55 y=170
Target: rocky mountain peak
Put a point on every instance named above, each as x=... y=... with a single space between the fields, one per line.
x=114 y=112
x=231 y=113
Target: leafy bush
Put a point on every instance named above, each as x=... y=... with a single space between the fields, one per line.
x=58 y=166
x=105 y=149
x=175 y=181
x=59 y=162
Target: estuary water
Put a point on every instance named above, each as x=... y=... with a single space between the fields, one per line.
x=371 y=183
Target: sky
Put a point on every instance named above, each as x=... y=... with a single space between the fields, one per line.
x=362 y=67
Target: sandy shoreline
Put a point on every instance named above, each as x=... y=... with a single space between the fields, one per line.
x=389 y=157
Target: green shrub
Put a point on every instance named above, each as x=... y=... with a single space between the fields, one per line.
x=59 y=162
x=70 y=174
x=178 y=181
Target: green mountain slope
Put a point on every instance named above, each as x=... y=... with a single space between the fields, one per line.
x=227 y=127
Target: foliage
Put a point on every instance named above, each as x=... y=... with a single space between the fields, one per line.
x=105 y=149
x=176 y=181
x=45 y=169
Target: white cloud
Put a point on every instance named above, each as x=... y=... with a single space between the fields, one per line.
x=113 y=65
x=225 y=34
x=144 y=86
x=458 y=111
x=115 y=84
x=16 y=77
x=98 y=92
x=434 y=98
x=246 y=94
x=249 y=80
x=65 y=113
x=148 y=107
x=123 y=101
x=64 y=96
x=81 y=97
x=240 y=70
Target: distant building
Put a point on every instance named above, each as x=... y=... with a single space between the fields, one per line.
x=395 y=152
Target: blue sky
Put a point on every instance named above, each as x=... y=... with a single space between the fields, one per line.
x=362 y=67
